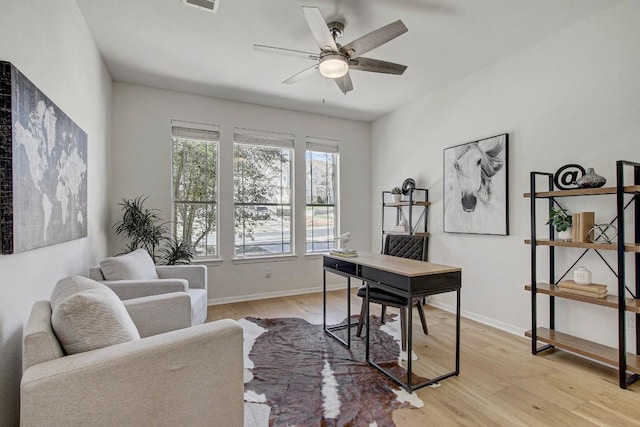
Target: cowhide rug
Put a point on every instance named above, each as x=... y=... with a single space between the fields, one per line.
x=296 y=375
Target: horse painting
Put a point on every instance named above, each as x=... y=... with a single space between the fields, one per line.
x=475 y=187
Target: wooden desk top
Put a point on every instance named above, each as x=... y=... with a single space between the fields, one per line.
x=403 y=266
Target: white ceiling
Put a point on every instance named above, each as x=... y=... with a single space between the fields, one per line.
x=169 y=45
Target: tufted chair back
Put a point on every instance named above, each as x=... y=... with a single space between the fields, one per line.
x=405 y=246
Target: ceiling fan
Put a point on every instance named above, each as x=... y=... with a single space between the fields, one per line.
x=334 y=60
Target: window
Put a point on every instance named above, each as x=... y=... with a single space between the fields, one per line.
x=322 y=185
x=195 y=192
x=263 y=171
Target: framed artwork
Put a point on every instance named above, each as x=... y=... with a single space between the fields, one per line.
x=476 y=187
x=43 y=168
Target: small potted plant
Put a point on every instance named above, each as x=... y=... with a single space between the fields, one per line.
x=561 y=222
x=396 y=193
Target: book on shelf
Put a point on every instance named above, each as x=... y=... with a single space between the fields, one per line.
x=582 y=223
x=584 y=293
x=396 y=232
x=345 y=253
x=592 y=290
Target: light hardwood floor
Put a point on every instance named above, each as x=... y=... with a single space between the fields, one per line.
x=500 y=383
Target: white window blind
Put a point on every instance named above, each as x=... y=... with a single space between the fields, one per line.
x=262 y=138
x=322 y=145
x=198 y=131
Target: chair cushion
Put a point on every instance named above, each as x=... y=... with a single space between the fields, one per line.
x=380 y=295
x=136 y=265
x=93 y=317
x=198 y=305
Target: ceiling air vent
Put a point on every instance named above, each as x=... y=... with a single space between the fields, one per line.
x=210 y=5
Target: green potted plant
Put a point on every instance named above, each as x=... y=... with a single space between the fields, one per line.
x=561 y=221
x=396 y=193
x=143 y=228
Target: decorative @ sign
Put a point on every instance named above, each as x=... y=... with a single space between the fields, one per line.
x=567 y=175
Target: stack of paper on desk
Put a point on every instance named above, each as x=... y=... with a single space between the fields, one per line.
x=347 y=253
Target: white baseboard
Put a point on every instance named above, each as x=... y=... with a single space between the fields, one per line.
x=291 y=292
x=276 y=294
x=480 y=319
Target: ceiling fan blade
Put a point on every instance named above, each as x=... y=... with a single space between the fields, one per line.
x=344 y=83
x=376 y=66
x=289 y=52
x=374 y=39
x=319 y=29
x=301 y=75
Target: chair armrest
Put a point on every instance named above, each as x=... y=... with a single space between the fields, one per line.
x=157 y=314
x=128 y=289
x=184 y=377
x=196 y=275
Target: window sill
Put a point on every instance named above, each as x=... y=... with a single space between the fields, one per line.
x=316 y=255
x=206 y=261
x=271 y=258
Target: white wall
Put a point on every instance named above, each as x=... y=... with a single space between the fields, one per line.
x=572 y=98
x=142 y=165
x=50 y=43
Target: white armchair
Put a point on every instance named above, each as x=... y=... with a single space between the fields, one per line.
x=173 y=375
x=134 y=275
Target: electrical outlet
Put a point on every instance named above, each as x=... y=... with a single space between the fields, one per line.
x=267 y=272
x=631 y=322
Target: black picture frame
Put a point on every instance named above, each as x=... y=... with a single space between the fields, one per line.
x=43 y=168
x=476 y=187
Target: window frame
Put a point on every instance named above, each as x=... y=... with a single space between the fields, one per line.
x=323 y=146
x=268 y=140
x=198 y=132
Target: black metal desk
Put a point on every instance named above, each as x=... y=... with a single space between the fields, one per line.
x=409 y=279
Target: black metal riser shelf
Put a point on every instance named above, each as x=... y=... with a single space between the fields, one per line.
x=627 y=363
x=414 y=208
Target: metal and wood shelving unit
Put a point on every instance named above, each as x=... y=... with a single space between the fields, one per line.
x=413 y=209
x=627 y=300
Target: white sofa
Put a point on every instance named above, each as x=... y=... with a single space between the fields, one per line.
x=134 y=275
x=173 y=375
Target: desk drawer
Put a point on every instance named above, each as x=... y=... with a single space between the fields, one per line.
x=343 y=266
x=427 y=285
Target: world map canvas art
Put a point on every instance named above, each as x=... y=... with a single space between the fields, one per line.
x=43 y=168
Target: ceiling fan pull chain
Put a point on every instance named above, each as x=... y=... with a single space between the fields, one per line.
x=323 y=79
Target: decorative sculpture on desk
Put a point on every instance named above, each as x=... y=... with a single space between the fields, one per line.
x=343 y=239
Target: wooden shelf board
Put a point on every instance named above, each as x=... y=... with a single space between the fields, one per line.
x=632 y=189
x=585 y=245
x=632 y=305
x=405 y=233
x=406 y=203
x=586 y=348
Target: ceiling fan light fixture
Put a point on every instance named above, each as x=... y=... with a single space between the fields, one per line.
x=333 y=66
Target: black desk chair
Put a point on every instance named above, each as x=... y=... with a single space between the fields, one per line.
x=403 y=246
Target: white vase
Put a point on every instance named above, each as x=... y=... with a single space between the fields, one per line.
x=582 y=276
x=395 y=198
x=564 y=235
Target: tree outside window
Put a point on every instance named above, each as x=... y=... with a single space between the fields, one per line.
x=195 y=193
x=321 y=189
x=262 y=197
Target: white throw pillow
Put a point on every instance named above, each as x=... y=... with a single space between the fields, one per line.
x=71 y=285
x=92 y=318
x=136 y=265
